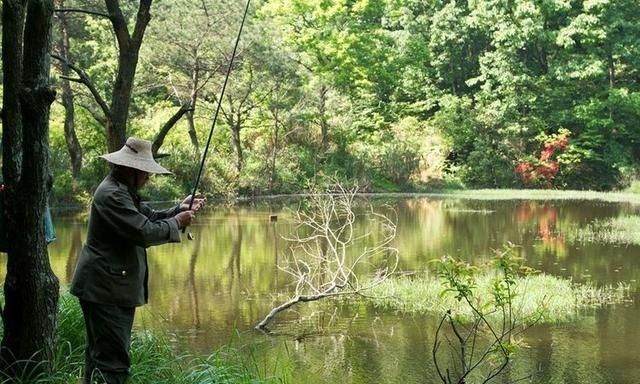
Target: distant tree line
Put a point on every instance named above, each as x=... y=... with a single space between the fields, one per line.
x=393 y=94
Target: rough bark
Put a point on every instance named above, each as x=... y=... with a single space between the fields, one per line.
x=71 y=139
x=31 y=288
x=13 y=13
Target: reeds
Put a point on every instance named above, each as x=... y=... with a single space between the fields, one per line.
x=622 y=230
x=549 y=298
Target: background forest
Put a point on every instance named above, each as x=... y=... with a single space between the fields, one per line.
x=397 y=95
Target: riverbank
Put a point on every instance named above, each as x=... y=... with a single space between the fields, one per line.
x=154 y=358
x=629 y=196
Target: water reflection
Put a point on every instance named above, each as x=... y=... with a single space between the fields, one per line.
x=74 y=252
x=218 y=286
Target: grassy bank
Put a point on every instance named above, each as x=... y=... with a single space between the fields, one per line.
x=471 y=194
x=529 y=194
x=154 y=359
x=550 y=298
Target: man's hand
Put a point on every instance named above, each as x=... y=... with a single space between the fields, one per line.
x=197 y=203
x=185 y=218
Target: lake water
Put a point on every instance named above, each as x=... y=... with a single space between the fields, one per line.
x=210 y=292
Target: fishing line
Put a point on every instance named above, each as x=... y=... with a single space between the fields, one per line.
x=215 y=117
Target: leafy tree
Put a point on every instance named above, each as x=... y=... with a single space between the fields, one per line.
x=115 y=113
x=62 y=47
x=188 y=45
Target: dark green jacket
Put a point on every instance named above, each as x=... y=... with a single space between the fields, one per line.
x=112 y=268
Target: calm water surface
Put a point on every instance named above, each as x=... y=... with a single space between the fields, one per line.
x=211 y=291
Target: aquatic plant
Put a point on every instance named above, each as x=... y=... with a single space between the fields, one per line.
x=622 y=230
x=485 y=310
x=421 y=293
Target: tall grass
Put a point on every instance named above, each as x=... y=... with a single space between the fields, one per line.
x=545 y=194
x=549 y=298
x=617 y=230
x=154 y=359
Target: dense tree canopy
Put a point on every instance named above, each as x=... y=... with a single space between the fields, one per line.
x=395 y=94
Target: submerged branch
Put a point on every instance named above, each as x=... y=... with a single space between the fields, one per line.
x=299 y=299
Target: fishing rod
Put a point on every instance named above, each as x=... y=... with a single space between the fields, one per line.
x=215 y=117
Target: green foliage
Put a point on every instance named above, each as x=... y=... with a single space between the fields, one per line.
x=546 y=298
x=623 y=230
x=154 y=360
x=485 y=309
x=634 y=187
x=393 y=94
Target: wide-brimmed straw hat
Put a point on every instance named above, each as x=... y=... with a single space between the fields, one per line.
x=136 y=153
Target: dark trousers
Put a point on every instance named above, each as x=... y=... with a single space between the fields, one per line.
x=108 y=338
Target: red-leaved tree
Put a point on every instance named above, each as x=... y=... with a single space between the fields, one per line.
x=542 y=170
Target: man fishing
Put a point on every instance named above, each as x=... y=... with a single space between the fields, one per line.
x=111 y=277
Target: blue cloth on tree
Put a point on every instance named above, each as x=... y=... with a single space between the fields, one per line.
x=49 y=229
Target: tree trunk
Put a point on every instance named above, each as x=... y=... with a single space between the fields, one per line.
x=13 y=13
x=117 y=125
x=71 y=139
x=193 y=99
x=192 y=132
x=612 y=80
x=233 y=119
x=612 y=71
x=31 y=288
x=129 y=48
x=324 y=124
x=237 y=144
x=274 y=150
